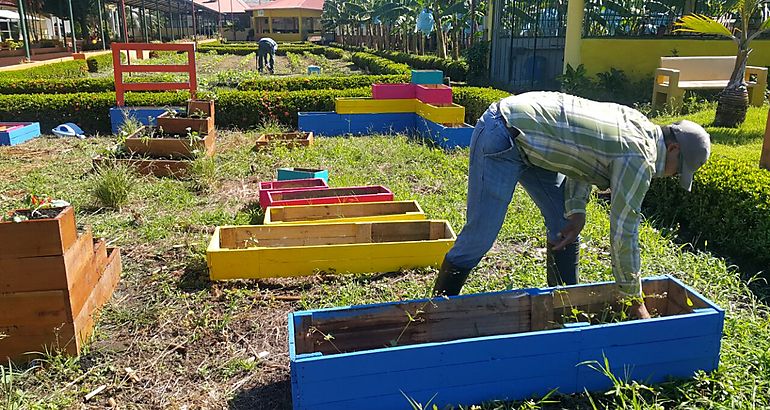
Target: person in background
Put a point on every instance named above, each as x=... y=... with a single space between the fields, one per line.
x=558 y=146
x=266 y=54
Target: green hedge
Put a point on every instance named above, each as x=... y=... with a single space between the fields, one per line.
x=242 y=109
x=56 y=86
x=378 y=65
x=456 y=70
x=61 y=70
x=333 y=53
x=102 y=62
x=243 y=50
x=319 y=82
x=729 y=207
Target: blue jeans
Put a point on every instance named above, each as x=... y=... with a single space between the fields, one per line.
x=495 y=168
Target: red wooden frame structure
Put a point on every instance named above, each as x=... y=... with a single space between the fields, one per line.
x=120 y=68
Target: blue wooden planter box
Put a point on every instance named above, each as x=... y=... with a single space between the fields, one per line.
x=145 y=115
x=13 y=133
x=286 y=174
x=508 y=345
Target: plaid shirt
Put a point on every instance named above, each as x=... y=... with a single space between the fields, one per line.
x=593 y=143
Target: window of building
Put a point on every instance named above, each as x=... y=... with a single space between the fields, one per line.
x=283 y=25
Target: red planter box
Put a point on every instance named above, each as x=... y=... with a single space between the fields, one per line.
x=376 y=193
x=393 y=91
x=434 y=94
x=287 y=186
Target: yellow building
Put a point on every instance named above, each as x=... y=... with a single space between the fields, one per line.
x=287 y=20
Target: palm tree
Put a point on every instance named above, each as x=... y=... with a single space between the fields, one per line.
x=734 y=99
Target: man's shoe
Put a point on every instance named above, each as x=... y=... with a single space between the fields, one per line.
x=562 y=266
x=450 y=280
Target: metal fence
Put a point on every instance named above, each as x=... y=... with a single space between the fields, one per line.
x=639 y=18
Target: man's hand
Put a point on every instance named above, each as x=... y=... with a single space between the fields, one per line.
x=569 y=234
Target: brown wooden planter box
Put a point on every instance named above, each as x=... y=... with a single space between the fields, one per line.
x=38 y=237
x=169 y=147
x=149 y=166
x=205 y=106
x=49 y=295
x=179 y=125
x=289 y=139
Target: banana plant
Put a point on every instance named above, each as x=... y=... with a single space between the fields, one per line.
x=734 y=99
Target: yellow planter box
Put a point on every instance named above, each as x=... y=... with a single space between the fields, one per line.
x=441 y=114
x=266 y=251
x=350 y=212
x=372 y=106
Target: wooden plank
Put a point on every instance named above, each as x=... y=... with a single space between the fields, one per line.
x=39 y=237
x=541 y=314
x=441 y=114
x=350 y=212
x=44 y=308
x=88 y=279
x=24 y=343
x=101 y=293
x=30 y=274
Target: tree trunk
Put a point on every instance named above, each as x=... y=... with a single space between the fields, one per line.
x=440 y=39
x=734 y=99
x=472 y=12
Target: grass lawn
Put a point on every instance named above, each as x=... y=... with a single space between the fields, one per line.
x=171 y=339
x=743 y=143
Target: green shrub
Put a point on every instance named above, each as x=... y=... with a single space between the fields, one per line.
x=456 y=70
x=477 y=56
x=729 y=207
x=334 y=53
x=112 y=186
x=476 y=100
x=378 y=65
x=318 y=82
x=64 y=69
x=102 y=62
x=247 y=49
x=56 y=86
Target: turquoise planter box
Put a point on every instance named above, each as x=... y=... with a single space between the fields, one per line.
x=433 y=77
x=510 y=345
x=286 y=174
x=13 y=133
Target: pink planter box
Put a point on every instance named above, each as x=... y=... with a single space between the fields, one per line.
x=393 y=91
x=434 y=94
x=287 y=186
x=376 y=193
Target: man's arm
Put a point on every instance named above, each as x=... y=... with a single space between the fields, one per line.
x=630 y=181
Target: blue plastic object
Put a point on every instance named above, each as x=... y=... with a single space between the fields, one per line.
x=425 y=22
x=14 y=133
x=313 y=69
x=68 y=129
x=287 y=174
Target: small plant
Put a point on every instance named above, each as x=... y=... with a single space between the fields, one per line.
x=129 y=127
x=203 y=172
x=271 y=126
x=112 y=186
x=36 y=204
x=575 y=80
x=12 y=396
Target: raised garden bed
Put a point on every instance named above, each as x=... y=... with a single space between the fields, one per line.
x=286 y=139
x=362 y=212
x=509 y=345
x=47 y=232
x=375 y=193
x=52 y=285
x=151 y=142
x=286 y=174
x=181 y=123
x=13 y=133
x=294 y=184
x=244 y=252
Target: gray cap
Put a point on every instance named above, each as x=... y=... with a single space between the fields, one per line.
x=694 y=147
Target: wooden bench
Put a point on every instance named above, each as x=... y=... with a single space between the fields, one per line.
x=679 y=74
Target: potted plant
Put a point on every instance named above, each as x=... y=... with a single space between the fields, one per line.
x=152 y=142
x=288 y=139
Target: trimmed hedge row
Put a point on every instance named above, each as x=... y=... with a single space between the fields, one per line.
x=729 y=207
x=318 y=82
x=242 y=109
x=61 y=70
x=378 y=65
x=243 y=50
x=106 y=84
x=456 y=70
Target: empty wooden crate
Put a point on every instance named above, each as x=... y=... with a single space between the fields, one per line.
x=376 y=193
x=510 y=345
x=356 y=212
x=244 y=252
